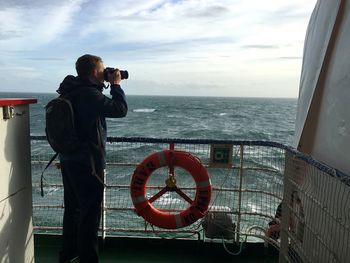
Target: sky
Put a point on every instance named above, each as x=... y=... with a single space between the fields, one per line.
x=233 y=48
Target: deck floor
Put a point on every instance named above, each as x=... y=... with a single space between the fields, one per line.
x=144 y=250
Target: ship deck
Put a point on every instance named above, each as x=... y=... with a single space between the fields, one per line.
x=133 y=250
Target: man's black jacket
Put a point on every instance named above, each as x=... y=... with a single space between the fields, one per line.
x=91 y=108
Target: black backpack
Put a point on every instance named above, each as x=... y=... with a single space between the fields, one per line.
x=60 y=127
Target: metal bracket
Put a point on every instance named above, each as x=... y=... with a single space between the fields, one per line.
x=8 y=112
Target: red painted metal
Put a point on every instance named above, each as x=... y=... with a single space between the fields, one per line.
x=16 y=101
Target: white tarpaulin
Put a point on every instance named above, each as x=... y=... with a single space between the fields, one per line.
x=323 y=115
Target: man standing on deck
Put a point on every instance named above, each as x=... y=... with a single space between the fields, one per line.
x=83 y=170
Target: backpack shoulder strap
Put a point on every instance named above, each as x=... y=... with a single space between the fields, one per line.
x=42 y=174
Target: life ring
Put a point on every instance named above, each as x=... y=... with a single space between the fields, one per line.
x=198 y=207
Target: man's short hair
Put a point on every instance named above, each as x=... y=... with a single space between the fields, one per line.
x=86 y=64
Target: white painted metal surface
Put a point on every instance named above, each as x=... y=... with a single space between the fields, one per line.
x=16 y=230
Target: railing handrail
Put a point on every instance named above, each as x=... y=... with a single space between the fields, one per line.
x=185 y=141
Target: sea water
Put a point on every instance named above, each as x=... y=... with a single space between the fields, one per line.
x=224 y=118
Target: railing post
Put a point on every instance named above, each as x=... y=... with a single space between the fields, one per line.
x=104 y=210
x=238 y=230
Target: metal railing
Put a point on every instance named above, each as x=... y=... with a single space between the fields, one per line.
x=247 y=185
x=250 y=180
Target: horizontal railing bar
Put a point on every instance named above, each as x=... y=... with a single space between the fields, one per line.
x=48 y=206
x=164 y=210
x=207 y=166
x=184 y=188
x=182 y=141
x=112 y=229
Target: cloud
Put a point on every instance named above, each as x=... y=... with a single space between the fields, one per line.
x=45 y=59
x=9 y=34
x=196 y=22
x=208 y=11
x=23 y=71
x=158 y=21
x=25 y=25
x=28 y=4
x=219 y=43
x=291 y=58
x=157 y=27
x=259 y=46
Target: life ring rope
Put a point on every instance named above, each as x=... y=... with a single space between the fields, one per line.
x=171 y=158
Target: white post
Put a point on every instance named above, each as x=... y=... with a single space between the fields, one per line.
x=16 y=228
x=238 y=229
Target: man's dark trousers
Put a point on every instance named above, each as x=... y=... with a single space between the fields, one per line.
x=83 y=194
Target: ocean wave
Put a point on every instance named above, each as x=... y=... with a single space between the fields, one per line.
x=51 y=190
x=166 y=200
x=144 y=110
x=221 y=114
x=253 y=207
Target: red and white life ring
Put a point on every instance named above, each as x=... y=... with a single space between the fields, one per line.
x=198 y=207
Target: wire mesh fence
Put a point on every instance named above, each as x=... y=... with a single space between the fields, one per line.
x=315 y=212
x=260 y=191
x=247 y=187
